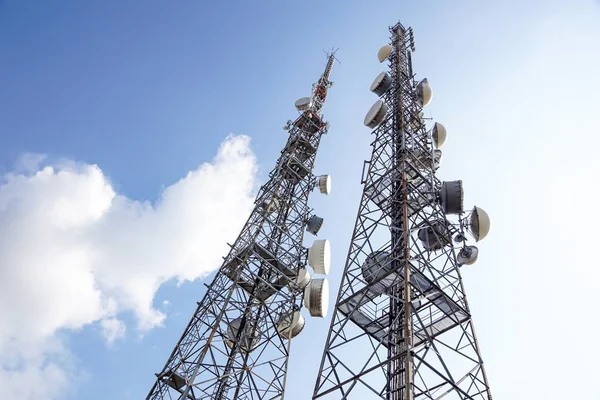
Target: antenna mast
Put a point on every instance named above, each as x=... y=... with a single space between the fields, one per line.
x=401 y=327
x=237 y=343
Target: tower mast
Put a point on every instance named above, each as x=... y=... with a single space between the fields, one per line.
x=402 y=328
x=237 y=343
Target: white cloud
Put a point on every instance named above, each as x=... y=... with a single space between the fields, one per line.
x=112 y=329
x=74 y=252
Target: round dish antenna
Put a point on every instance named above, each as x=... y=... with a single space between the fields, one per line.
x=467 y=255
x=381 y=84
x=316 y=297
x=424 y=93
x=248 y=340
x=303 y=103
x=319 y=256
x=376 y=114
x=434 y=236
x=314 y=224
x=377 y=266
x=304 y=278
x=290 y=325
x=439 y=135
x=325 y=184
x=479 y=223
x=451 y=196
x=384 y=52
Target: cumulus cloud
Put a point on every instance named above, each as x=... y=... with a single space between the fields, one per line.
x=74 y=252
x=112 y=329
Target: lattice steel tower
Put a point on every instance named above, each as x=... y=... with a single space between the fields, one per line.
x=401 y=328
x=238 y=342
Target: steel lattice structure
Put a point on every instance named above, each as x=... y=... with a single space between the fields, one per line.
x=238 y=342
x=401 y=328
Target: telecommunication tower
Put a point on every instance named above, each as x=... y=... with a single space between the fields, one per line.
x=237 y=344
x=401 y=328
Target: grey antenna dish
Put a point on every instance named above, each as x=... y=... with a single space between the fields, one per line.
x=314 y=224
x=303 y=103
x=381 y=84
x=377 y=266
x=435 y=235
x=439 y=135
x=290 y=325
x=424 y=93
x=467 y=255
x=479 y=223
x=459 y=238
x=304 y=278
x=316 y=297
x=451 y=196
x=319 y=256
x=324 y=184
x=248 y=340
x=376 y=114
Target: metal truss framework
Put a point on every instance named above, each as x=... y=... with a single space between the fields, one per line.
x=401 y=328
x=231 y=349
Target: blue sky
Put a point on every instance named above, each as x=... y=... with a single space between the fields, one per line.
x=148 y=91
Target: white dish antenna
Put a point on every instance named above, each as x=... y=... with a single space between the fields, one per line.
x=378 y=266
x=384 y=52
x=290 y=325
x=424 y=93
x=381 y=84
x=467 y=255
x=303 y=103
x=479 y=223
x=325 y=184
x=439 y=135
x=248 y=340
x=316 y=297
x=304 y=278
x=319 y=256
x=435 y=235
x=376 y=114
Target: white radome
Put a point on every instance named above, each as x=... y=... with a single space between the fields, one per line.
x=480 y=223
x=290 y=326
x=376 y=114
x=304 y=278
x=384 y=52
x=325 y=184
x=319 y=256
x=424 y=92
x=439 y=135
x=303 y=103
x=381 y=84
x=316 y=297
